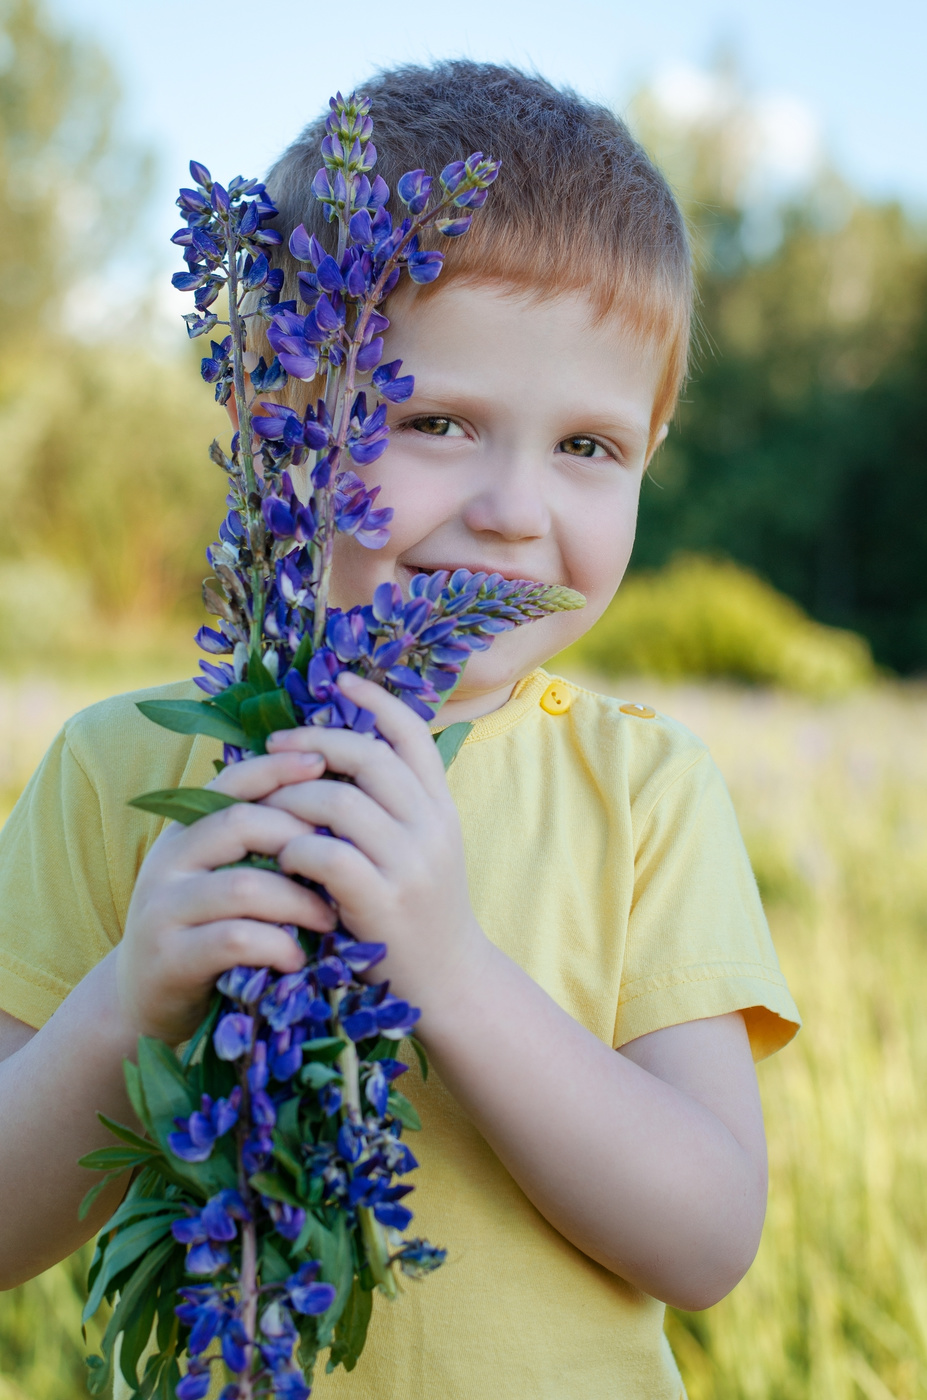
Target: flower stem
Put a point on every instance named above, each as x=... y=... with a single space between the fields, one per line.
x=248 y=1296
x=372 y=1232
x=247 y=1278
x=255 y=524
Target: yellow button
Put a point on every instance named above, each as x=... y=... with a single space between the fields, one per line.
x=556 y=699
x=639 y=711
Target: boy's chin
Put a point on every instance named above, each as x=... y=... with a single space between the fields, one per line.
x=507 y=661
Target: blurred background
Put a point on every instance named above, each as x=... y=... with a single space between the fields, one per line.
x=777 y=602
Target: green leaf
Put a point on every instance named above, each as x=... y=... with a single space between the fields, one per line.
x=202 y=1031
x=138 y=1207
x=129 y=1244
x=84 y=1208
x=166 y=1093
x=288 y=1159
x=117 y=1159
x=120 y=1130
x=192 y=717
x=267 y=1184
x=382 y=1049
x=274 y=1268
x=265 y=714
x=326 y=1048
x=303 y=654
x=168 y=1096
x=398 y=1105
x=135 y=1337
x=229 y=701
x=134 y=1090
x=168 y=1322
x=258 y=674
x=138 y=1202
x=100 y=1374
x=219 y=766
x=332 y=1249
x=419 y=1051
x=450 y=741
x=168 y=1381
x=154 y=1367
x=316 y=1075
x=351 y=1329
x=184 y=804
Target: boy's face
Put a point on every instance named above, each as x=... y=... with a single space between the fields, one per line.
x=521 y=451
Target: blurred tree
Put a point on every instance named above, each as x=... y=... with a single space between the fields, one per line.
x=107 y=492
x=800 y=448
x=70 y=188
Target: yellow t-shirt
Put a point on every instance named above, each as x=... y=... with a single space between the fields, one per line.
x=604 y=857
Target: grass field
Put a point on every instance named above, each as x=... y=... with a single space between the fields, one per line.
x=832 y=798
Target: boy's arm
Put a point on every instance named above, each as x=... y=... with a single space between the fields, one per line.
x=651 y=1161
x=187 y=923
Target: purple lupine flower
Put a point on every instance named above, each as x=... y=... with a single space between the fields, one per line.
x=233 y=1035
x=381 y=1075
x=286 y=1052
x=390 y=385
x=210 y=1314
x=355 y=514
x=195 y=1384
x=256 y=1151
x=198 y=1133
x=288 y=1220
x=245 y=984
x=279 y=1335
x=207 y=1232
x=286 y=1000
x=269 y=562
x=305 y=1294
x=214 y=679
x=330 y=1099
x=418 y=1258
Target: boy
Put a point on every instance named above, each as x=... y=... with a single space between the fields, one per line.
x=577 y=888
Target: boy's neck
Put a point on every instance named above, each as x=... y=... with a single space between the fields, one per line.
x=469 y=705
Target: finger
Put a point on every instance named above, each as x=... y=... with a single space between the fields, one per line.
x=213 y=948
x=408 y=734
x=345 y=810
x=228 y=836
x=254 y=778
x=375 y=767
x=344 y=870
x=246 y=893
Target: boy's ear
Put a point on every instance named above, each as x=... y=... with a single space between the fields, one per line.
x=657 y=442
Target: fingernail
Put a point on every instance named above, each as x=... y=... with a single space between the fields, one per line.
x=348 y=678
x=312 y=760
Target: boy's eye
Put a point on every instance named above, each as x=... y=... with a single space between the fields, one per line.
x=436 y=426
x=581 y=446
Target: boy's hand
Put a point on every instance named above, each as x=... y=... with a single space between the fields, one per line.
x=399 y=876
x=188 y=921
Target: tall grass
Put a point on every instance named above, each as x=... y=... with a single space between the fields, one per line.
x=832 y=797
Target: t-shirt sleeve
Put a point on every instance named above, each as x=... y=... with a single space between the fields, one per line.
x=58 y=916
x=698 y=942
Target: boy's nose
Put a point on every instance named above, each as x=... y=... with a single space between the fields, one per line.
x=509 y=506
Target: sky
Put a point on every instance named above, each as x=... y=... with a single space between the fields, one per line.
x=231 y=84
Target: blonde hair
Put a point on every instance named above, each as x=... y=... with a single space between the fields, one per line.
x=578 y=206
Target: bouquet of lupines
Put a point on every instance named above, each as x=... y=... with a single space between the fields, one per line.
x=267 y=1202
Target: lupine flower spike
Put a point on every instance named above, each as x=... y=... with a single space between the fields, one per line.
x=271 y=1187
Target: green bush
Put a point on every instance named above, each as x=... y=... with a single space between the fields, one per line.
x=702 y=617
